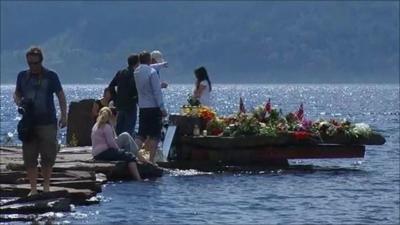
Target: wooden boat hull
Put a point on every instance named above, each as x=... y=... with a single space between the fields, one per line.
x=255 y=151
x=241 y=154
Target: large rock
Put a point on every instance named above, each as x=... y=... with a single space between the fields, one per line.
x=121 y=171
x=80 y=123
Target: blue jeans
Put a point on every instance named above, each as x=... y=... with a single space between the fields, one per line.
x=126 y=121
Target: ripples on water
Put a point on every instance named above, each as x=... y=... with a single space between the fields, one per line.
x=338 y=191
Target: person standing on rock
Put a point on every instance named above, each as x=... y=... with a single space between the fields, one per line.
x=125 y=97
x=34 y=95
x=151 y=105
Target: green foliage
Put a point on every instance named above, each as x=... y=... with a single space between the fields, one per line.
x=268 y=131
x=274 y=117
x=245 y=125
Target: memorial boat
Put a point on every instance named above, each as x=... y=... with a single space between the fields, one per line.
x=260 y=139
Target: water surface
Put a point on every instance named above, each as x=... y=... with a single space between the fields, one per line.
x=338 y=191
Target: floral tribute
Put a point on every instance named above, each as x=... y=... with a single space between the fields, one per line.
x=203 y=112
x=265 y=120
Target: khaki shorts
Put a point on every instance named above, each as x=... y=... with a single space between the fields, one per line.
x=44 y=143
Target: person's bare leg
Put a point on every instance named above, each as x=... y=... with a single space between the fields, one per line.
x=134 y=171
x=46 y=173
x=152 y=147
x=32 y=174
x=142 y=158
x=139 y=141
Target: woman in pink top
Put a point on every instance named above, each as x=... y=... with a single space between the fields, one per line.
x=105 y=146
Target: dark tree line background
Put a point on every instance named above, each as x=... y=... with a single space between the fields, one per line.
x=239 y=42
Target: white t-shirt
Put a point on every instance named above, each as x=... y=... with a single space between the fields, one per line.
x=205 y=98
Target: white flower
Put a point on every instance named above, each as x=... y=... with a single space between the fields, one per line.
x=362 y=129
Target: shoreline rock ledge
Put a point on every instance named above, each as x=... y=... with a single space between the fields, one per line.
x=76 y=180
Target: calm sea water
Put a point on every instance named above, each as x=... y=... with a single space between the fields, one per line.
x=339 y=191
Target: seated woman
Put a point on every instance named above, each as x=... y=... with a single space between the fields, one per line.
x=202 y=86
x=100 y=103
x=105 y=145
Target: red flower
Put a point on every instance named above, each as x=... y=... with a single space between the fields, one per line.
x=301 y=135
x=216 y=131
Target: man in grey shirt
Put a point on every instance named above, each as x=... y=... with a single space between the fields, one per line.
x=151 y=105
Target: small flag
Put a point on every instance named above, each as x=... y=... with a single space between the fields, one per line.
x=268 y=106
x=241 y=106
x=300 y=113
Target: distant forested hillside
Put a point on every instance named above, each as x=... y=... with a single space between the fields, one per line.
x=246 y=42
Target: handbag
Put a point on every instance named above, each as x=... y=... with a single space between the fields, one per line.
x=25 y=126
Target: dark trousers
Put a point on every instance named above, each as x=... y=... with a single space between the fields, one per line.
x=126 y=121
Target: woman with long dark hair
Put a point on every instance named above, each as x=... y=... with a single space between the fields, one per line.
x=202 y=86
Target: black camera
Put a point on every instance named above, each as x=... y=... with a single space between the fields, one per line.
x=25 y=106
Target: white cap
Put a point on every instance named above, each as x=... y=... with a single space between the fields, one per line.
x=157 y=56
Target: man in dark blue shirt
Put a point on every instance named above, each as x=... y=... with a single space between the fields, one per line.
x=37 y=85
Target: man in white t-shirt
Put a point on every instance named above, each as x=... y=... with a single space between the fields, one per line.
x=151 y=105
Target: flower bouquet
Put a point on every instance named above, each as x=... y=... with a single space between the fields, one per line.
x=216 y=126
x=271 y=123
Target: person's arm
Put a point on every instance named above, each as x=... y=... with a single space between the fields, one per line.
x=17 y=93
x=57 y=88
x=158 y=66
x=109 y=136
x=63 y=107
x=17 y=97
x=112 y=85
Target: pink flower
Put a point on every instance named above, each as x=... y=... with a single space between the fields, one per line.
x=300 y=113
x=306 y=124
